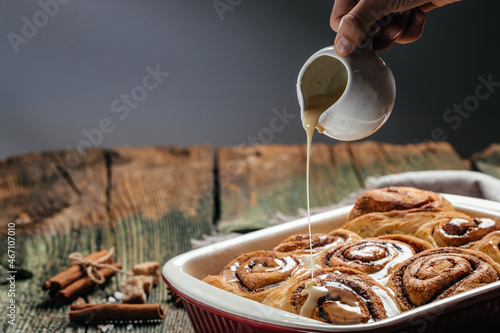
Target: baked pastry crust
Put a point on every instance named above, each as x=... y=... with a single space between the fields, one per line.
x=254 y=275
x=398 y=198
x=377 y=256
x=350 y=297
x=438 y=273
x=398 y=222
x=489 y=244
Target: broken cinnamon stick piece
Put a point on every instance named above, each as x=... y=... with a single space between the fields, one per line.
x=148 y=268
x=83 y=285
x=133 y=290
x=99 y=313
x=147 y=282
x=72 y=273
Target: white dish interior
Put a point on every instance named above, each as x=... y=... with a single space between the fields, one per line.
x=186 y=271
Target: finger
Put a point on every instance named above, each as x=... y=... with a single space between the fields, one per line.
x=349 y=36
x=393 y=27
x=427 y=7
x=367 y=12
x=414 y=27
x=357 y=23
x=382 y=43
x=340 y=9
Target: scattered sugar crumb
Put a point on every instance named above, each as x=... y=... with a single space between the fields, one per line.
x=111 y=299
x=107 y=327
x=118 y=295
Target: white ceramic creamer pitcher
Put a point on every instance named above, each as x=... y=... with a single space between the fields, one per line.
x=367 y=95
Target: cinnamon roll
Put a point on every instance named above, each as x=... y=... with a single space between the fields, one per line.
x=343 y=235
x=299 y=242
x=300 y=245
x=253 y=275
x=489 y=244
x=337 y=296
x=417 y=244
x=456 y=231
x=399 y=222
x=376 y=257
x=399 y=198
x=438 y=273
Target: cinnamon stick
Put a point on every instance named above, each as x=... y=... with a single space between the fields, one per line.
x=83 y=285
x=72 y=273
x=98 y=313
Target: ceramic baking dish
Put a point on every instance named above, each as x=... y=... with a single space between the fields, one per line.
x=214 y=310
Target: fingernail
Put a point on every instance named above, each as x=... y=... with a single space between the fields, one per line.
x=393 y=34
x=341 y=21
x=343 y=47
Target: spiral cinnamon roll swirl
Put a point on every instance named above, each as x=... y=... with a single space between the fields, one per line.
x=343 y=235
x=456 y=231
x=253 y=275
x=300 y=242
x=398 y=198
x=417 y=244
x=337 y=296
x=438 y=273
x=319 y=242
x=376 y=257
x=489 y=244
x=300 y=245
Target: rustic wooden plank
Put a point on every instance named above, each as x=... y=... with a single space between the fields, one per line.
x=443 y=156
x=259 y=182
x=488 y=160
x=368 y=159
x=154 y=180
x=345 y=178
x=424 y=156
x=323 y=192
x=147 y=202
x=54 y=191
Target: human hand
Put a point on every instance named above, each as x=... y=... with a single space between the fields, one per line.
x=388 y=21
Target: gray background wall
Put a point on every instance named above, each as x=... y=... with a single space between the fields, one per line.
x=226 y=73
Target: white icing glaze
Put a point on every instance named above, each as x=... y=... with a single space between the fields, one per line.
x=311 y=260
x=383 y=275
x=390 y=306
x=313 y=293
x=229 y=274
x=283 y=265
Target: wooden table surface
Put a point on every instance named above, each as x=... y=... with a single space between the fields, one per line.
x=149 y=202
